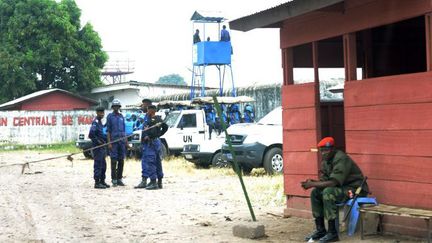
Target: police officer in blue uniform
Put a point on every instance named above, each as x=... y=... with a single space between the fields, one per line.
x=152 y=150
x=116 y=129
x=210 y=118
x=145 y=103
x=248 y=115
x=98 y=138
x=234 y=114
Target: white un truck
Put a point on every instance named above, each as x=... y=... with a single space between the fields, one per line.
x=185 y=127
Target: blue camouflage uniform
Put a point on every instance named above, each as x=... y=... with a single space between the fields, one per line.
x=234 y=114
x=210 y=118
x=98 y=137
x=129 y=124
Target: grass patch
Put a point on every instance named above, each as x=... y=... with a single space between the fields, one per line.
x=51 y=148
x=266 y=190
x=263 y=189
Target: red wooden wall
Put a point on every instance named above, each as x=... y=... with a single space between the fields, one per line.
x=388 y=120
x=299 y=136
x=357 y=15
x=55 y=101
x=388 y=124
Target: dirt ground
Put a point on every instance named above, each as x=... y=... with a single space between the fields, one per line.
x=55 y=202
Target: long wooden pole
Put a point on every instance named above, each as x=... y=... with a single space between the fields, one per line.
x=235 y=164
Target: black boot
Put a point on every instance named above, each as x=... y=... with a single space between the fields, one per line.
x=104 y=183
x=332 y=234
x=159 y=182
x=152 y=185
x=142 y=184
x=320 y=230
x=98 y=184
x=120 y=182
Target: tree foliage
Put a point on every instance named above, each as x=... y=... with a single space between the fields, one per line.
x=174 y=79
x=42 y=45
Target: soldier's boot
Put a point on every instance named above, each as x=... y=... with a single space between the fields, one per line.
x=320 y=230
x=98 y=184
x=332 y=234
x=114 y=172
x=159 y=182
x=120 y=172
x=142 y=184
x=152 y=185
x=105 y=184
x=120 y=182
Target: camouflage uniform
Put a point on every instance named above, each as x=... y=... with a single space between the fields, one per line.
x=349 y=177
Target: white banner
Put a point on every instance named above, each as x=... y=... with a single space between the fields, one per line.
x=43 y=127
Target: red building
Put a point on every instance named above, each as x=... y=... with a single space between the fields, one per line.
x=49 y=100
x=385 y=120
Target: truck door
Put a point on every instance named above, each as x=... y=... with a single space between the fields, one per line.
x=202 y=127
x=188 y=131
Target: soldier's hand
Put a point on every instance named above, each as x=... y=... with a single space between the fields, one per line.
x=307 y=184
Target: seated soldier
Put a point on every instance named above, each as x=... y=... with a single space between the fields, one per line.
x=339 y=175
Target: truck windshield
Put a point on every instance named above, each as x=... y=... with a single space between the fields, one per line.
x=171 y=118
x=272 y=118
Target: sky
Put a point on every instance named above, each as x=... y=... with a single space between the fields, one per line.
x=157 y=36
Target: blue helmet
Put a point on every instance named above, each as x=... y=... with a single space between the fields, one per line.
x=141 y=116
x=248 y=108
x=234 y=108
x=128 y=115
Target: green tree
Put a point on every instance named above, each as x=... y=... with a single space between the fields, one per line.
x=174 y=79
x=42 y=45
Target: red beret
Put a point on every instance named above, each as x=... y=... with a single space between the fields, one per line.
x=326 y=142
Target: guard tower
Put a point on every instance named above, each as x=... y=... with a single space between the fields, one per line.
x=116 y=69
x=207 y=54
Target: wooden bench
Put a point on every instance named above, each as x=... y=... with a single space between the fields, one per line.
x=383 y=209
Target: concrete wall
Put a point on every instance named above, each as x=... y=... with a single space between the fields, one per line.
x=266 y=97
x=43 y=127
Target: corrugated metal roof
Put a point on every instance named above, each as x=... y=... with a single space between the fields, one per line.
x=40 y=93
x=207 y=17
x=135 y=85
x=274 y=16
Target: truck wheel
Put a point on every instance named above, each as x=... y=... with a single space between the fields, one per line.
x=218 y=162
x=245 y=169
x=273 y=161
x=88 y=154
x=165 y=152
